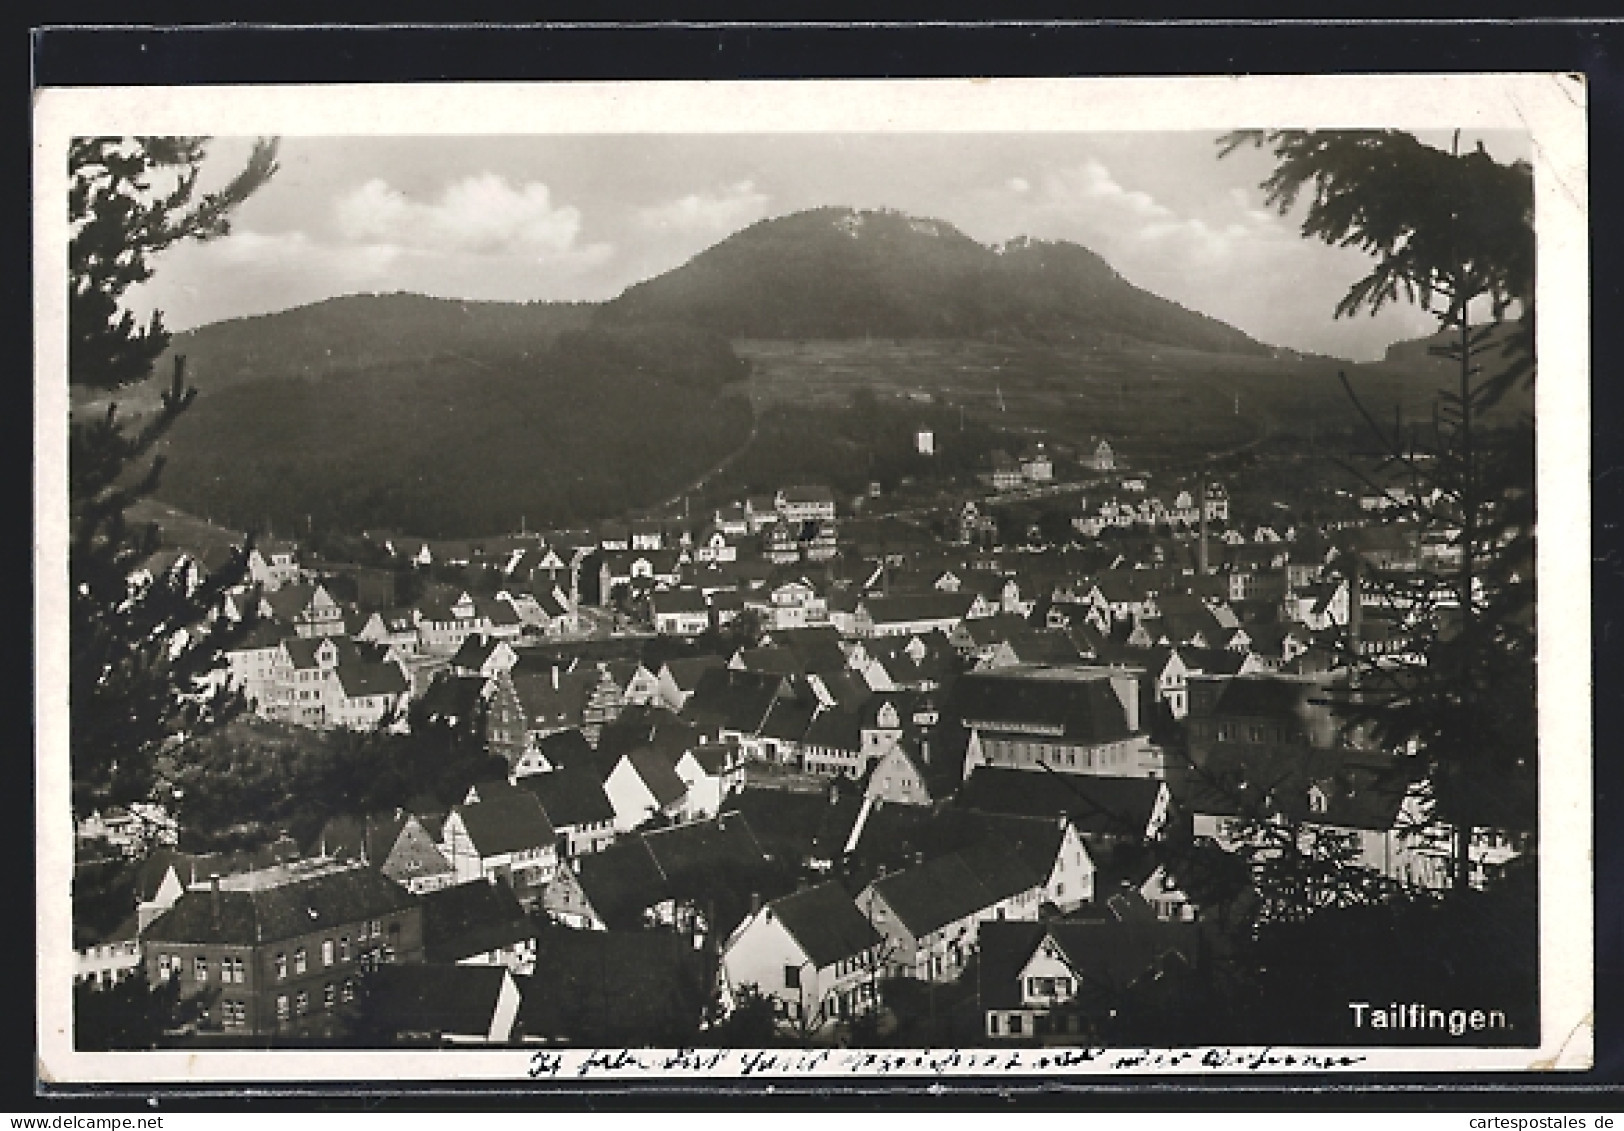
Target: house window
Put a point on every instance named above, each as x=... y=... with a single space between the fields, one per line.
x=327 y=952
x=231 y=970
x=344 y=949
x=233 y=1014
x=792 y=977
x=281 y=1007
x=329 y=995
x=992 y=1024
x=166 y=965
x=377 y=928
x=281 y=967
x=349 y=989
x=200 y=968
x=1014 y=1024
x=301 y=1003
x=299 y=961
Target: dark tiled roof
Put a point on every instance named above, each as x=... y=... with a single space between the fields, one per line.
x=699 y=849
x=1082 y=710
x=1110 y=805
x=614 y=989
x=567 y=749
x=798 y=826
x=571 y=795
x=679 y=601
x=441 y=999
x=362 y=679
x=733 y=699
x=296 y=908
x=621 y=881
x=658 y=773
x=837 y=730
x=826 y=923
x=507 y=823
x=910 y=607
x=787 y=721
x=472 y=918
x=371 y=837
x=687 y=671
x=960 y=884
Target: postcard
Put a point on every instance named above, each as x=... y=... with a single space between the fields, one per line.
x=566 y=584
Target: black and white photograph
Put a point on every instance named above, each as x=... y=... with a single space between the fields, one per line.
x=818 y=580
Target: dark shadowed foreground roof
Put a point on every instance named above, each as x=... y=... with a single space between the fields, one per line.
x=440 y=999
x=472 y=918
x=281 y=911
x=613 y=988
x=825 y=921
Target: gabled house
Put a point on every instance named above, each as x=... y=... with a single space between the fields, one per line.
x=1052 y=980
x=395 y=844
x=910 y=614
x=930 y=913
x=642 y=786
x=273 y=563
x=576 y=806
x=813 y=954
x=909 y=774
x=443 y=624
x=501 y=831
x=678 y=678
x=661 y=878
x=680 y=612
x=262 y=668
x=395 y=629
x=711 y=772
x=306 y=607
x=484 y=656
x=631 y=568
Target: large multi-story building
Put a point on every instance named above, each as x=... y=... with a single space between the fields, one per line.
x=1069 y=718
x=279 y=952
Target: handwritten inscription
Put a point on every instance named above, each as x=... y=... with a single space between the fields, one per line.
x=579 y=1064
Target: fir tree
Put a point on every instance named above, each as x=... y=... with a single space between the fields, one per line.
x=141 y=649
x=1454 y=234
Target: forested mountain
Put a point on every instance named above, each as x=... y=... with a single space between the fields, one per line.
x=463 y=441
x=459 y=418
x=841 y=273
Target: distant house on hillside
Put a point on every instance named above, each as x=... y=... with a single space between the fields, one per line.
x=1104 y=457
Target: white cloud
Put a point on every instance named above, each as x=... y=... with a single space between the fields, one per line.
x=724 y=210
x=481 y=214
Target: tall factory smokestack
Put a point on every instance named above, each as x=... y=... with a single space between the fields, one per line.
x=1356 y=604
x=1203 y=550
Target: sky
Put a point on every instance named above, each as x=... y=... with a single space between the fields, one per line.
x=581 y=217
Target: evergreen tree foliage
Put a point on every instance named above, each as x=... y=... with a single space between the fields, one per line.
x=140 y=649
x=1454 y=234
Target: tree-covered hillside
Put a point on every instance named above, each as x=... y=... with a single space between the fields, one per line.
x=455 y=443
